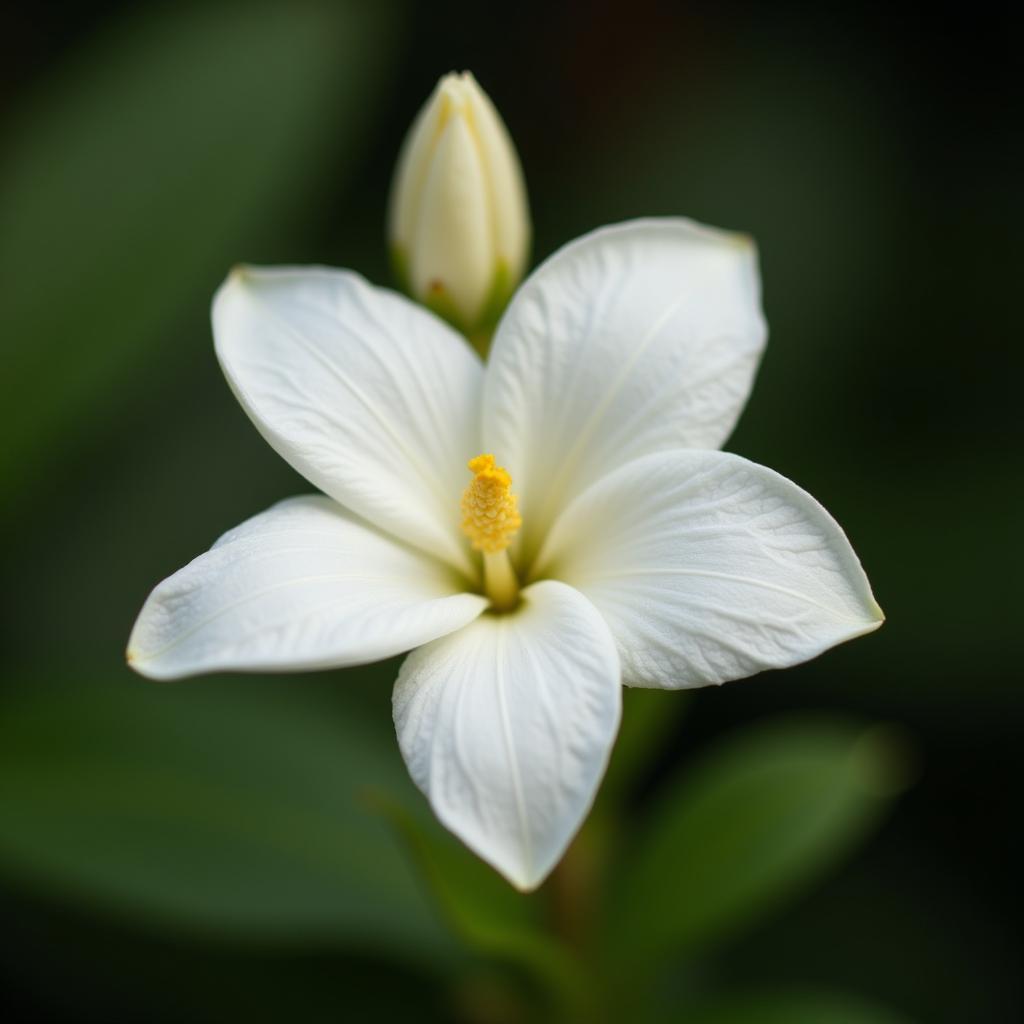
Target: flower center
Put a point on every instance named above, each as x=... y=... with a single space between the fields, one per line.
x=490 y=516
x=491 y=519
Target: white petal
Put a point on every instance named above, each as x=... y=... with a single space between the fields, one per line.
x=708 y=568
x=373 y=399
x=637 y=338
x=506 y=726
x=453 y=244
x=304 y=585
x=505 y=179
x=413 y=165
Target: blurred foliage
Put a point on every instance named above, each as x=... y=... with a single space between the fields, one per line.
x=136 y=176
x=489 y=916
x=733 y=836
x=226 y=808
x=233 y=810
x=253 y=847
x=794 y=1008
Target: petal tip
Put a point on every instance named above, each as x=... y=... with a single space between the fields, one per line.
x=872 y=618
x=241 y=275
x=872 y=610
x=146 y=665
x=136 y=661
x=523 y=876
x=238 y=278
x=526 y=884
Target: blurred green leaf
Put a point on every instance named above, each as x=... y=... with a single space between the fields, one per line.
x=492 y=918
x=794 y=1008
x=236 y=807
x=765 y=814
x=74 y=965
x=479 y=902
x=167 y=150
x=648 y=718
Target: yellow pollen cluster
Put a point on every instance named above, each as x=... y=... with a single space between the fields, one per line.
x=490 y=516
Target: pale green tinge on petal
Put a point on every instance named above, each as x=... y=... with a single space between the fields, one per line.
x=440 y=302
x=709 y=568
x=370 y=397
x=458 y=217
x=636 y=338
x=303 y=585
x=507 y=725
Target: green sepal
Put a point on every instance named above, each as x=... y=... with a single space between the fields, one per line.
x=479 y=329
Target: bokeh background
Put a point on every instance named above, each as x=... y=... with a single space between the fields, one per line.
x=831 y=844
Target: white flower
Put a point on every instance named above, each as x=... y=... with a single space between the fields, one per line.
x=458 y=226
x=645 y=556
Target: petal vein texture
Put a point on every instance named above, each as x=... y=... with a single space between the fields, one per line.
x=708 y=567
x=636 y=338
x=506 y=726
x=303 y=585
x=372 y=398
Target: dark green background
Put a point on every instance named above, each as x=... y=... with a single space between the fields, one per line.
x=875 y=157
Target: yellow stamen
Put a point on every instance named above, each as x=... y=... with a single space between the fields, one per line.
x=490 y=518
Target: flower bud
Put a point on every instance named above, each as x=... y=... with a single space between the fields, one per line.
x=459 y=227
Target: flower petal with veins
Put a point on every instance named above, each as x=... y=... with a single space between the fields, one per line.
x=709 y=568
x=636 y=338
x=303 y=585
x=507 y=725
x=370 y=397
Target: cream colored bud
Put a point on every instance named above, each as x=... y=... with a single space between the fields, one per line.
x=459 y=226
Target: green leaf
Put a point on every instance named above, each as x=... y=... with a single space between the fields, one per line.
x=761 y=817
x=648 y=718
x=794 y=1008
x=489 y=915
x=172 y=146
x=238 y=807
x=479 y=902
